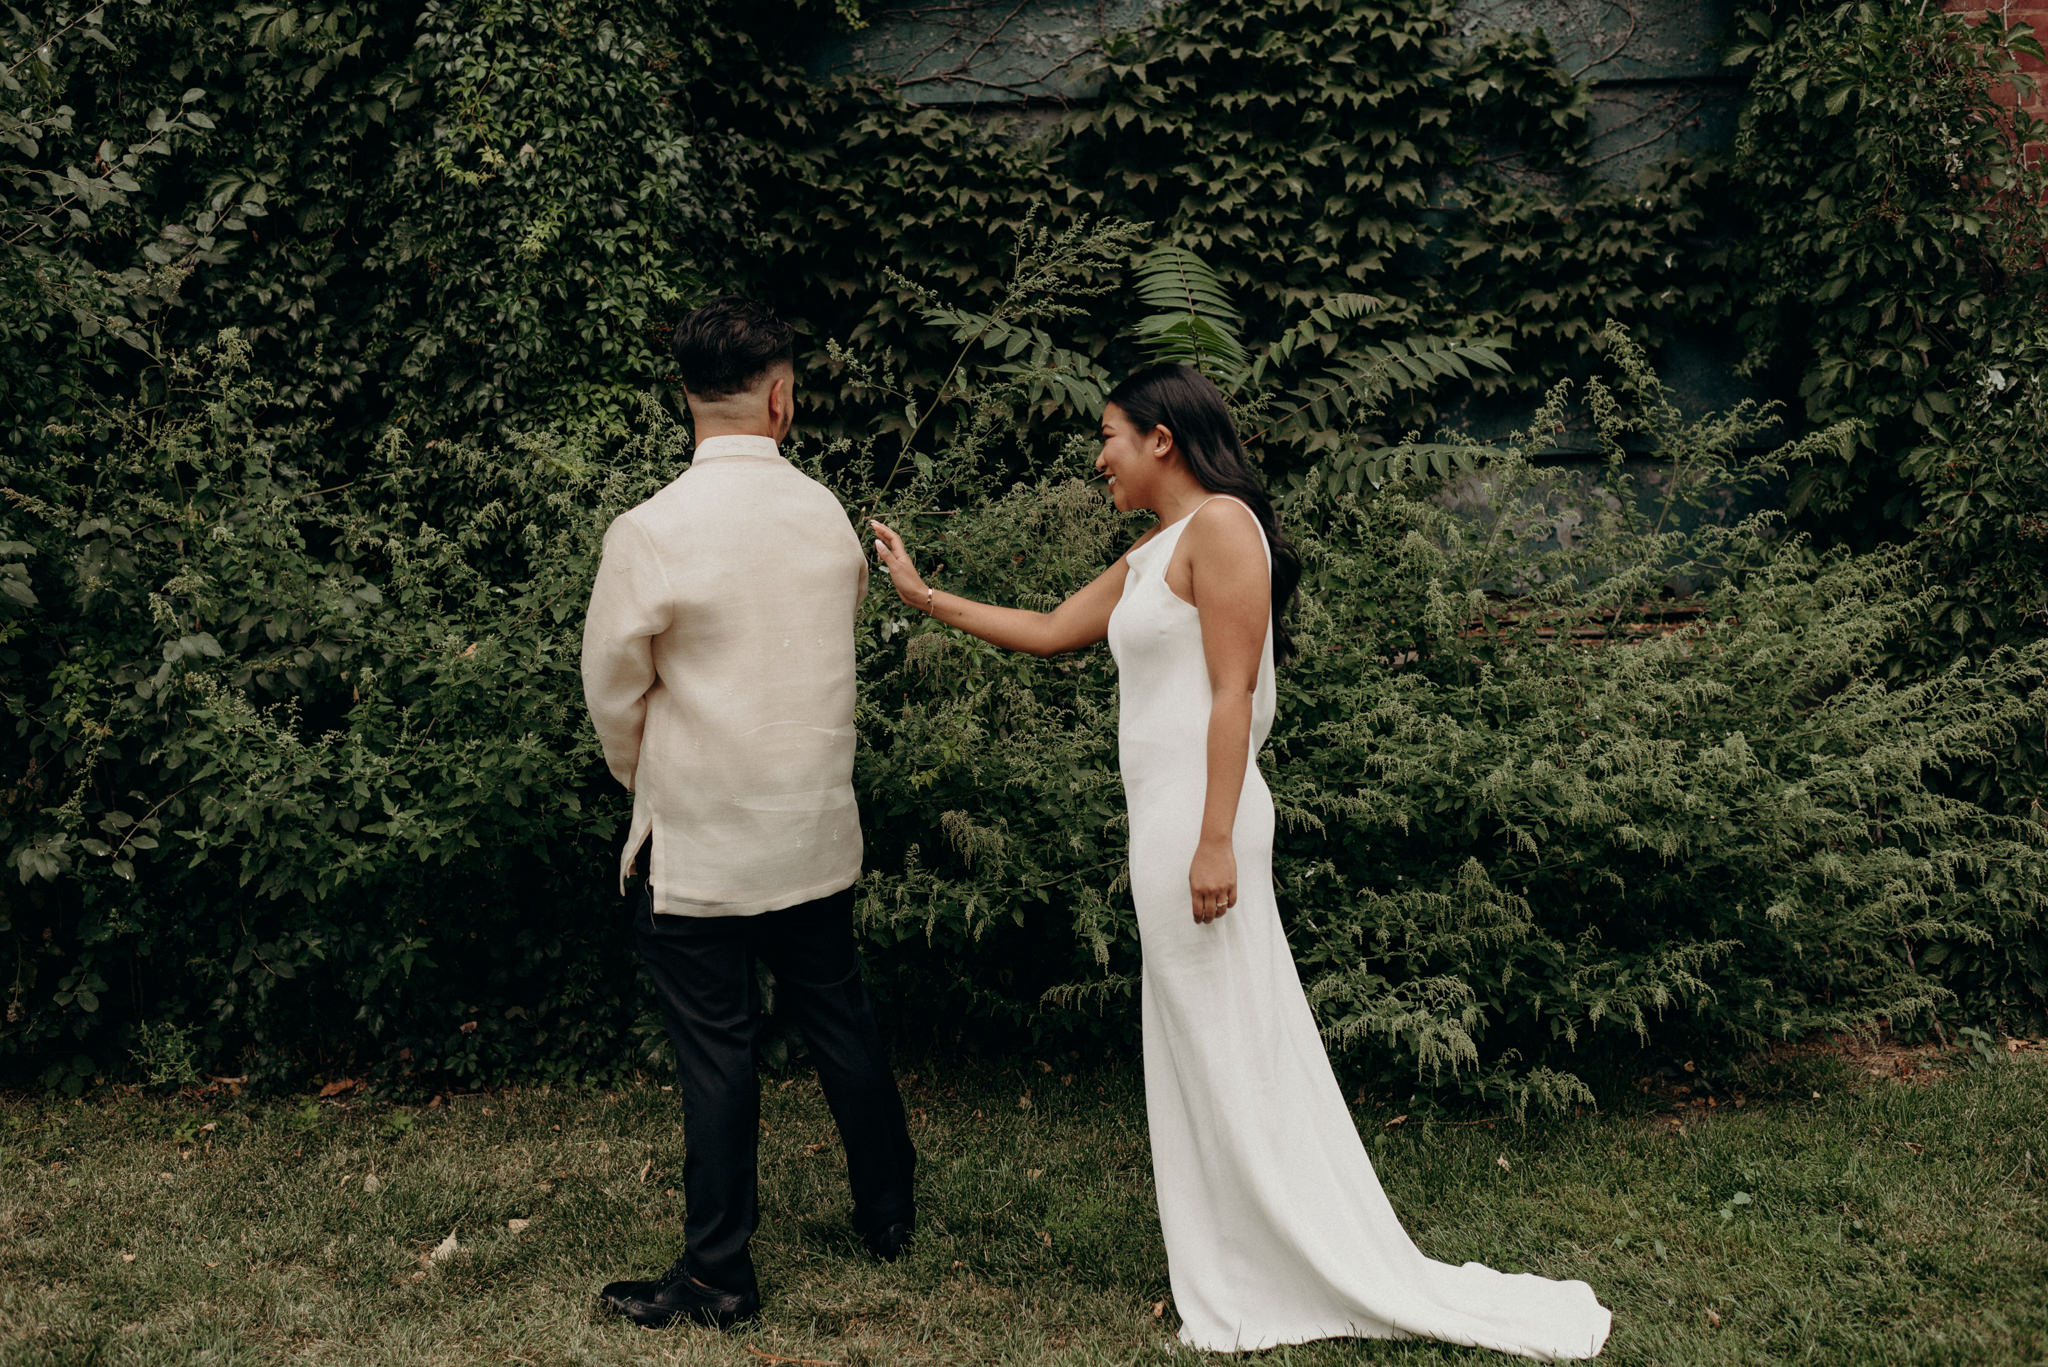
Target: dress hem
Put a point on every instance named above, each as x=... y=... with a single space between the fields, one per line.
x=1291 y=1337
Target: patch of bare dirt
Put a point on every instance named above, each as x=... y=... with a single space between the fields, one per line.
x=1884 y=1056
x=1801 y=1070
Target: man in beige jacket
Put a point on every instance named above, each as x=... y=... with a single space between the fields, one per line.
x=718 y=666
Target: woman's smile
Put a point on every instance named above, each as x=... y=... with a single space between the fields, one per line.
x=1121 y=447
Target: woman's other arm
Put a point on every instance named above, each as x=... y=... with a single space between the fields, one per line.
x=1080 y=621
x=1228 y=582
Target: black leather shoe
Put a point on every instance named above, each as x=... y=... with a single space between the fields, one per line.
x=889 y=1242
x=676 y=1295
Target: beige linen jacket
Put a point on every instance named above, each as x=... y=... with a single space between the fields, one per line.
x=718 y=666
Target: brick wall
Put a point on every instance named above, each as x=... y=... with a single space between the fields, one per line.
x=2035 y=14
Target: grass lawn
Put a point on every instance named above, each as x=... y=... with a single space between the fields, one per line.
x=1883 y=1222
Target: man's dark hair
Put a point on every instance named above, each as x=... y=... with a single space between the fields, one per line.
x=721 y=348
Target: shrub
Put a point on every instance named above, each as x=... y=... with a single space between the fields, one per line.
x=306 y=767
x=1898 y=237
x=308 y=776
x=1509 y=859
x=1900 y=260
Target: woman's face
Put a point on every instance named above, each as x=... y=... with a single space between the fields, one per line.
x=1129 y=459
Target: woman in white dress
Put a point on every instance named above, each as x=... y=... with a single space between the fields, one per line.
x=1276 y=1228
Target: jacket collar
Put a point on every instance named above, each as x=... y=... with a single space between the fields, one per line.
x=714 y=447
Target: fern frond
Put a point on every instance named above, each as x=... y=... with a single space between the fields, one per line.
x=1097 y=994
x=1372 y=374
x=1193 y=321
x=1318 y=328
x=1044 y=370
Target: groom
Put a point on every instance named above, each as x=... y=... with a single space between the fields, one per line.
x=718 y=666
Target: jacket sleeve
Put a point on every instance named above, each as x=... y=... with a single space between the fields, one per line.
x=630 y=605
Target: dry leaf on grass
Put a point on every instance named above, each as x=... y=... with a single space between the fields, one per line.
x=127 y=1257
x=1158 y=1310
x=1503 y=1164
x=777 y=1360
x=372 y=1184
x=442 y=1251
x=516 y=1226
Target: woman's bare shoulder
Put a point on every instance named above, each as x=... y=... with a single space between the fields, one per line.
x=1224 y=524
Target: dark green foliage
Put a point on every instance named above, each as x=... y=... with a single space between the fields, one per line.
x=448 y=217
x=289 y=609
x=1713 y=831
x=1982 y=541
x=1306 y=151
x=1296 y=397
x=1900 y=260
x=1900 y=244
x=1510 y=859
x=307 y=767
x=574 y=210
x=1310 y=148
x=347 y=720
x=75 y=295
x=472 y=219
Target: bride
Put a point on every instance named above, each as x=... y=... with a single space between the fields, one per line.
x=1276 y=1228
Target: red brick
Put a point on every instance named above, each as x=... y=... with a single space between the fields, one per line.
x=2033 y=13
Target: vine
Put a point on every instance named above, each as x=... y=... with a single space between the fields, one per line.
x=1306 y=152
x=1899 y=249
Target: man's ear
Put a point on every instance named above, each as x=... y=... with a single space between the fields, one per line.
x=782 y=399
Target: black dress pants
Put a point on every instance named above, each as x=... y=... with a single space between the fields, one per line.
x=703 y=971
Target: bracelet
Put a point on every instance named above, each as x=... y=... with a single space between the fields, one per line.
x=929 y=594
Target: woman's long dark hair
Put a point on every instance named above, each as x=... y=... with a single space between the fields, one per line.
x=1184 y=401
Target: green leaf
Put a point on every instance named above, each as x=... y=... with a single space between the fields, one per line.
x=1194 y=322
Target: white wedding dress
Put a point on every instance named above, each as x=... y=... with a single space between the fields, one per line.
x=1276 y=1228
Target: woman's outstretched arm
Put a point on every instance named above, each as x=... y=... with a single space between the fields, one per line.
x=1080 y=621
